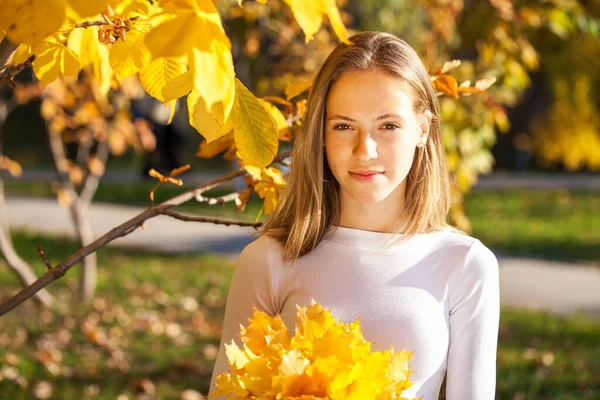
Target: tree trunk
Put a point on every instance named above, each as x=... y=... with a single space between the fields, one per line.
x=16 y=263
x=22 y=269
x=87 y=283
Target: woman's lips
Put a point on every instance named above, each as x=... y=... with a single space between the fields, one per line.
x=366 y=177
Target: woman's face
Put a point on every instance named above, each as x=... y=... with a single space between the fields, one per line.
x=371 y=133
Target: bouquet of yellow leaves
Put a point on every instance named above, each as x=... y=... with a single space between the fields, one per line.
x=324 y=360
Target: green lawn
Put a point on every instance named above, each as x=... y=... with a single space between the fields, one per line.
x=554 y=224
x=156 y=319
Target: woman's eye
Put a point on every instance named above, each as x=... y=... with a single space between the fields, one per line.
x=391 y=126
x=341 y=127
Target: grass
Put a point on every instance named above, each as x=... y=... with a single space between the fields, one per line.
x=155 y=324
x=553 y=224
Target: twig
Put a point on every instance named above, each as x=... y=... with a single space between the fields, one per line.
x=7 y=51
x=87 y=24
x=39 y=249
x=8 y=75
x=122 y=230
x=211 y=201
x=190 y=218
x=281 y=158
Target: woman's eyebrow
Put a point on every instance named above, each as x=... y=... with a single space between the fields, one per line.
x=384 y=116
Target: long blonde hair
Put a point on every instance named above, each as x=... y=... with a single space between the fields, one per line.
x=310 y=204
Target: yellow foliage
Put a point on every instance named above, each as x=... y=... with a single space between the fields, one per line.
x=158 y=73
x=569 y=133
x=294 y=89
x=270 y=186
x=84 y=8
x=31 y=21
x=23 y=52
x=255 y=132
x=13 y=167
x=278 y=117
x=178 y=86
x=210 y=124
x=84 y=42
x=323 y=360
x=53 y=60
x=129 y=56
x=309 y=16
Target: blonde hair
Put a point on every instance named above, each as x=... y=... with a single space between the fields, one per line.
x=310 y=205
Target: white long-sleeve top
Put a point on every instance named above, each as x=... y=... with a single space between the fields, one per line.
x=436 y=294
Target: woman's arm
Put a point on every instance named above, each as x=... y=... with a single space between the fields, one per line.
x=251 y=285
x=474 y=320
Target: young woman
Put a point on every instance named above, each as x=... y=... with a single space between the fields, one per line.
x=362 y=227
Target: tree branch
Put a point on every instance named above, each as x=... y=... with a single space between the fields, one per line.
x=8 y=75
x=122 y=230
x=190 y=218
x=211 y=201
x=7 y=51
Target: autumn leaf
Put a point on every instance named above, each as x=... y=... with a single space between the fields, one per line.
x=85 y=8
x=255 y=132
x=84 y=42
x=32 y=21
x=54 y=60
x=158 y=73
x=447 y=67
x=446 y=84
x=128 y=57
x=309 y=16
x=210 y=124
x=297 y=88
x=209 y=150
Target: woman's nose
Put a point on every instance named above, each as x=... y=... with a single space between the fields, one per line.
x=366 y=148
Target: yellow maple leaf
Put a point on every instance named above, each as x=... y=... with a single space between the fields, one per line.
x=31 y=21
x=227 y=385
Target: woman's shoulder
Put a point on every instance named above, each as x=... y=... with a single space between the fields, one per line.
x=478 y=265
x=477 y=257
x=264 y=248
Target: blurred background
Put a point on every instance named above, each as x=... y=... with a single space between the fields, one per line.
x=524 y=156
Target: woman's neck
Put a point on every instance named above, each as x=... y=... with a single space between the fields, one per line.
x=384 y=216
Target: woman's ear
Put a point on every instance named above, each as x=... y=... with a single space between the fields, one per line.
x=424 y=122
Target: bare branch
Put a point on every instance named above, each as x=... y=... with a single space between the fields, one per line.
x=7 y=51
x=87 y=24
x=122 y=230
x=14 y=262
x=190 y=218
x=8 y=75
x=44 y=258
x=211 y=201
x=92 y=181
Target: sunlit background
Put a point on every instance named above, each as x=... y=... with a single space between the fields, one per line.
x=524 y=156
